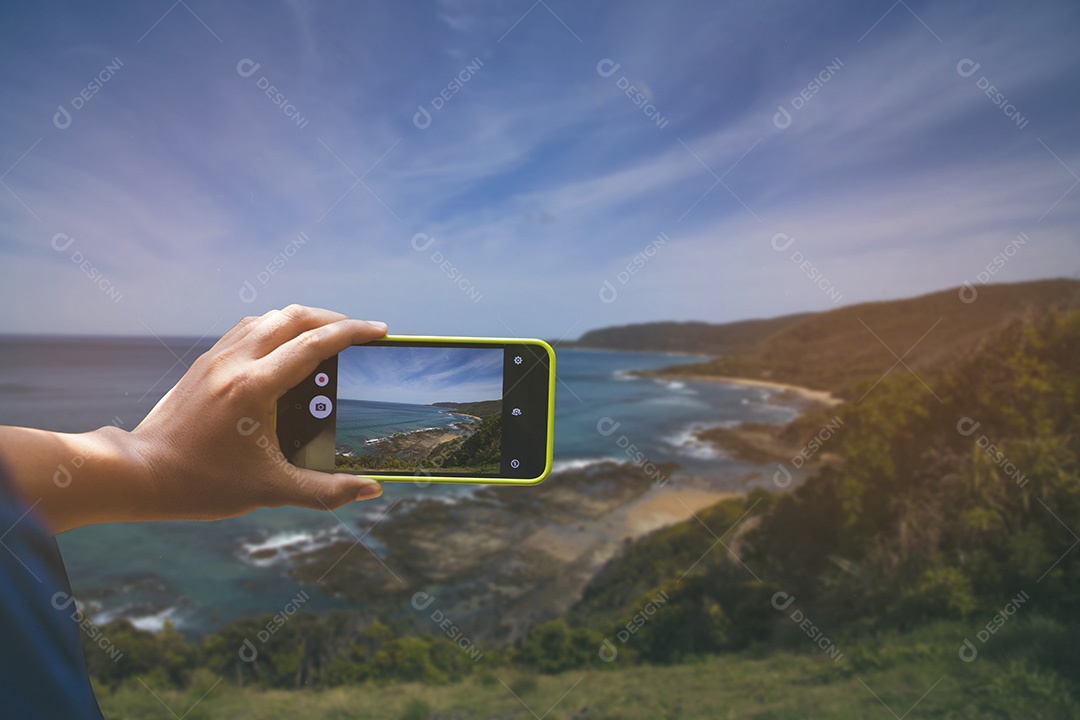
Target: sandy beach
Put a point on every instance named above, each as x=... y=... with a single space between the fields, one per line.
x=411 y=446
x=819 y=396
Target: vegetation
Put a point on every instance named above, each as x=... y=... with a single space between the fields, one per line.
x=779 y=685
x=482 y=449
x=477 y=452
x=480 y=409
x=950 y=501
x=837 y=350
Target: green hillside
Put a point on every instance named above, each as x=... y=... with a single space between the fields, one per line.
x=938 y=554
x=687 y=337
x=894 y=669
x=835 y=350
x=482 y=408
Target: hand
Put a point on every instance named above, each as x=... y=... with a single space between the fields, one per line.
x=208 y=449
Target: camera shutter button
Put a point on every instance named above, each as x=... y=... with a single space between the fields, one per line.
x=321 y=407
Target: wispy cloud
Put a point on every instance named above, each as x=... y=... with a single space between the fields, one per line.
x=539 y=177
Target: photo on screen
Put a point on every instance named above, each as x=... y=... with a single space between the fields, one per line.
x=406 y=409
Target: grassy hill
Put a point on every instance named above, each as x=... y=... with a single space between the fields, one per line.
x=795 y=684
x=481 y=408
x=687 y=337
x=917 y=550
x=837 y=349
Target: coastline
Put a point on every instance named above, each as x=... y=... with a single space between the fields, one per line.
x=568 y=345
x=824 y=397
x=414 y=445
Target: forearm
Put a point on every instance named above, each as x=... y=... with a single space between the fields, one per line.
x=75 y=479
x=189 y=459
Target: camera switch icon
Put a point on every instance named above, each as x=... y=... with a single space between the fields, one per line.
x=320 y=407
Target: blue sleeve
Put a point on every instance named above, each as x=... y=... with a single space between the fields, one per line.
x=42 y=669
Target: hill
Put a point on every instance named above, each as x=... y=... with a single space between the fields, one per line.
x=698 y=338
x=837 y=349
x=793 y=684
x=481 y=408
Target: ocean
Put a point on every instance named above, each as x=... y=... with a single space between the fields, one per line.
x=362 y=422
x=202 y=575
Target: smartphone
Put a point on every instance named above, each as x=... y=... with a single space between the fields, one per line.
x=430 y=409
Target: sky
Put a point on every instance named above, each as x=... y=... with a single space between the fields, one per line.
x=420 y=376
x=526 y=168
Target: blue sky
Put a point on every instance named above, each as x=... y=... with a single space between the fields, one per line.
x=420 y=376
x=178 y=196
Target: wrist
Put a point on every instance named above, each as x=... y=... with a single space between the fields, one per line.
x=103 y=479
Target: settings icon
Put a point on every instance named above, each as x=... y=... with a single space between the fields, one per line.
x=515 y=412
x=518 y=360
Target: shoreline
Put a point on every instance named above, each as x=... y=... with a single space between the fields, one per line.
x=823 y=397
x=593 y=348
x=412 y=445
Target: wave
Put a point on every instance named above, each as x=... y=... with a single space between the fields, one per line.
x=677 y=400
x=688 y=442
x=672 y=384
x=561 y=466
x=150 y=622
x=156 y=623
x=453 y=425
x=282 y=546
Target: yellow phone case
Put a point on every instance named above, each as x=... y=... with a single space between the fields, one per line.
x=550 y=416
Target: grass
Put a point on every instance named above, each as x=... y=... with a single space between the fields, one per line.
x=918 y=675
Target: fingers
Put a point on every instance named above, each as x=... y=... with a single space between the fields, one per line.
x=289 y=364
x=280 y=326
x=326 y=491
x=236 y=332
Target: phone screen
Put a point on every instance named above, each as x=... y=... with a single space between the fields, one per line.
x=397 y=408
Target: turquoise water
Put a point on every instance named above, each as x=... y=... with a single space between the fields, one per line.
x=200 y=575
x=360 y=422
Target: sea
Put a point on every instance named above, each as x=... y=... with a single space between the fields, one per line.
x=201 y=575
x=362 y=423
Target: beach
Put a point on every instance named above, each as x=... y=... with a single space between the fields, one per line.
x=494 y=556
x=417 y=445
x=822 y=397
x=507 y=558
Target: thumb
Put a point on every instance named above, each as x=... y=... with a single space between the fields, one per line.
x=328 y=491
